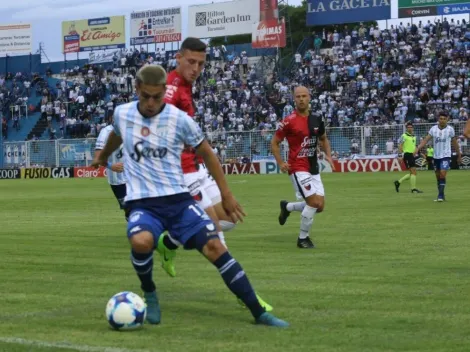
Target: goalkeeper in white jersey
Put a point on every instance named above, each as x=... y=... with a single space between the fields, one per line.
x=444 y=139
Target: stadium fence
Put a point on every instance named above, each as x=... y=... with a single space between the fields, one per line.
x=357 y=141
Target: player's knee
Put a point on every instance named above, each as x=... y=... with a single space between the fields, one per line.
x=142 y=242
x=213 y=249
x=317 y=203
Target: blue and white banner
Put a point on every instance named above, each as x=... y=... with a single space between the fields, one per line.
x=325 y=12
x=453 y=9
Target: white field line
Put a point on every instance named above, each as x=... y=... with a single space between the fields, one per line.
x=63 y=345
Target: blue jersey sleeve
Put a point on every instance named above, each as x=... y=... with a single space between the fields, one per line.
x=191 y=133
x=102 y=138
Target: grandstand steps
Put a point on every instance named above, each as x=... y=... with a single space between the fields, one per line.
x=38 y=129
x=26 y=123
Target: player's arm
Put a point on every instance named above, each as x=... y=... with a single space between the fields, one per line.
x=276 y=149
x=423 y=143
x=455 y=145
x=113 y=143
x=466 y=132
x=326 y=147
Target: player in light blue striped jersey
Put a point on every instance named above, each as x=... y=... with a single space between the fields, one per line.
x=115 y=167
x=444 y=139
x=153 y=135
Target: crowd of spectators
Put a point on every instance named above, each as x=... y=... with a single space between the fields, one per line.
x=368 y=77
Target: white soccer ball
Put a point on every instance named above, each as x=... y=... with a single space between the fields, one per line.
x=126 y=311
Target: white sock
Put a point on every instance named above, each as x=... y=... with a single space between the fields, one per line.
x=299 y=206
x=222 y=239
x=306 y=221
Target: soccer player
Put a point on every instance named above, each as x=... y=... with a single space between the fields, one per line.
x=191 y=60
x=115 y=174
x=406 y=150
x=466 y=131
x=153 y=135
x=443 y=137
x=303 y=130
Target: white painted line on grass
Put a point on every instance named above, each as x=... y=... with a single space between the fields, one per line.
x=239 y=181
x=63 y=345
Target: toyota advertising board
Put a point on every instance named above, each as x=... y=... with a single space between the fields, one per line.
x=223 y=18
x=156 y=26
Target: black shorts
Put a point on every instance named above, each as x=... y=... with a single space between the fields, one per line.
x=409 y=160
x=120 y=193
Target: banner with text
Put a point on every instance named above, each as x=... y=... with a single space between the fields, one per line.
x=94 y=34
x=325 y=12
x=268 y=10
x=47 y=172
x=14 y=154
x=102 y=57
x=223 y=18
x=453 y=9
x=418 y=3
x=10 y=174
x=156 y=26
x=417 y=11
x=269 y=34
x=16 y=39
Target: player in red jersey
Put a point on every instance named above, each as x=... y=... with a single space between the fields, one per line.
x=191 y=60
x=303 y=130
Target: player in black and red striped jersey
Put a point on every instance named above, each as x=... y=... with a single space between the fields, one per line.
x=303 y=130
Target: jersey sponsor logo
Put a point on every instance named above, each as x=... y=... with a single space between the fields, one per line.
x=8 y=174
x=147 y=152
x=308 y=147
x=145 y=131
x=171 y=90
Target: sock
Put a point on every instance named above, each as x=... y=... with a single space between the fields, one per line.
x=306 y=221
x=143 y=265
x=237 y=281
x=299 y=206
x=226 y=225
x=442 y=186
x=222 y=238
x=404 y=178
x=169 y=243
x=413 y=181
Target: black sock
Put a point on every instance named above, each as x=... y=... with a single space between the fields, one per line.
x=168 y=244
x=143 y=265
x=237 y=281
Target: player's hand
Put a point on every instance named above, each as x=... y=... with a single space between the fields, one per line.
x=232 y=208
x=330 y=161
x=285 y=167
x=97 y=162
x=118 y=167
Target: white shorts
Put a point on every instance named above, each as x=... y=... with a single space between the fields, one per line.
x=196 y=190
x=306 y=185
x=209 y=185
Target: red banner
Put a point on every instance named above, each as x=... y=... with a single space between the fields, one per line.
x=269 y=34
x=241 y=169
x=268 y=10
x=90 y=172
x=369 y=165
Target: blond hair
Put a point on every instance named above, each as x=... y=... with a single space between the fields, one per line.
x=152 y=75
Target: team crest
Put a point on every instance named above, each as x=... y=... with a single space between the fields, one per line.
x=197 y=197
x=145 y=131
x=308 y=187
x=315 y=130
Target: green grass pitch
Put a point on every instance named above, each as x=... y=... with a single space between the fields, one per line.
x=391 y=272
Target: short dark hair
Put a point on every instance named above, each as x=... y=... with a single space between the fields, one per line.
x=193 y=44
x=443 y=113
x=409 y=123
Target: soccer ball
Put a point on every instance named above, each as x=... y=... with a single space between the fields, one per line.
x=126 y=311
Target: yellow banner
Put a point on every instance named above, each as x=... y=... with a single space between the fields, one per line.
x=40 y=172
x=94 y=34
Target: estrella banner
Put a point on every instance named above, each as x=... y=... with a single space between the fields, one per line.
x=453 y=9
x=94 y=34
x=325 y=12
